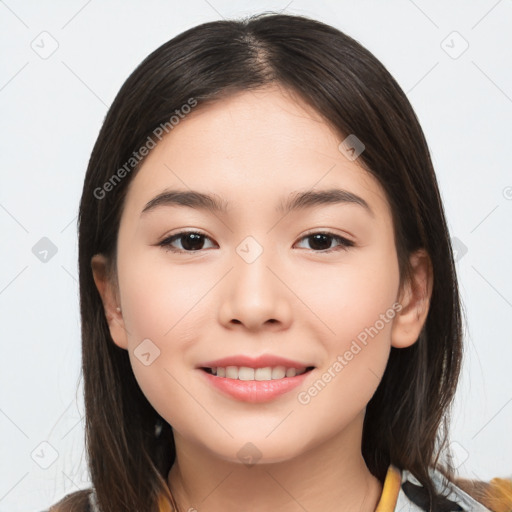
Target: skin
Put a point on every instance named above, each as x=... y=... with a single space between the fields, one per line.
x=295 y=301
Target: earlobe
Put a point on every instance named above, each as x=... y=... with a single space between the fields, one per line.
x=415 y=301
x=109 y=296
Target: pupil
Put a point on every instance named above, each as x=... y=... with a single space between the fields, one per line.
x=320 y=238
x=187 y=241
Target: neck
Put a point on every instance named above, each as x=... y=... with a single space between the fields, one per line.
x=329 y=477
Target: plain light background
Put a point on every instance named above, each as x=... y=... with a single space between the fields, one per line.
x=62 y=65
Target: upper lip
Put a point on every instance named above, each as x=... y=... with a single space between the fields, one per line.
x=262 y=361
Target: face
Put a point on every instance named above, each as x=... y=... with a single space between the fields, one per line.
x=316 y=284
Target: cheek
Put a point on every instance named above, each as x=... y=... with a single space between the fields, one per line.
x=351 y=296
x=161 y=300
x=157 y=309
x=355 y=306
x=354 y=363
x=163 y=305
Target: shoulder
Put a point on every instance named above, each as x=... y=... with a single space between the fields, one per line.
x=461 y=495
x=496 y=495
x=79 y=501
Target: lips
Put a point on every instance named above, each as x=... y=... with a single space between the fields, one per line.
x=244 y=388
x=233 y=376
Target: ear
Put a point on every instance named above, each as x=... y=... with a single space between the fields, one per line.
x=414 y=298
x=109 y=296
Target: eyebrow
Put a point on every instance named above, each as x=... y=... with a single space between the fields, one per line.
x=298 y=200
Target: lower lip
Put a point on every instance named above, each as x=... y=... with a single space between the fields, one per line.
x=255 y=391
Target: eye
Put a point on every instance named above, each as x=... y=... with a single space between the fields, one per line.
x=321 y=241
x=191 y=241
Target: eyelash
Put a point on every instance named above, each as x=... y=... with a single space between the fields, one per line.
x=345 y=244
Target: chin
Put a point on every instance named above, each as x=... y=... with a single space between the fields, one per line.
x=257 y=450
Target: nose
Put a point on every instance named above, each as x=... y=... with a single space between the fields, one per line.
x=255 y=294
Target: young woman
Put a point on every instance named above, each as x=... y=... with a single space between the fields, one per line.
x=270 y=310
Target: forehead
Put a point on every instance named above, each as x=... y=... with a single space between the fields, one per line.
x=252 y=148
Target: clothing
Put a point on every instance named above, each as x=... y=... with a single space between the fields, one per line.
x=402 y=492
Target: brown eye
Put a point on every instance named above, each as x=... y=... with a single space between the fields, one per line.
x=190 y=241
x=321 y=242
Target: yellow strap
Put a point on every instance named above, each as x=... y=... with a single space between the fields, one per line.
x=390 y=490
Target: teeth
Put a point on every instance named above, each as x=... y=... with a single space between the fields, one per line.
x=246 y=373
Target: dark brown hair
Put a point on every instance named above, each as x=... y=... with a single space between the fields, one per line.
x=406 y=420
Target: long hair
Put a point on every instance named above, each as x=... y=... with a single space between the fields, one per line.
x=407 y=418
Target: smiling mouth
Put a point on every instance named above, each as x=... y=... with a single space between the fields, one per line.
x=246 y=373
